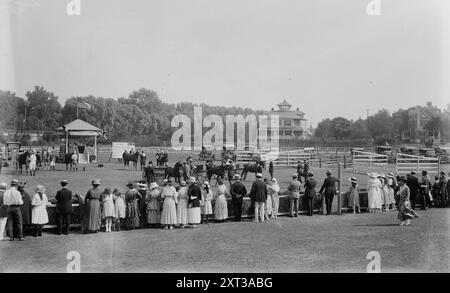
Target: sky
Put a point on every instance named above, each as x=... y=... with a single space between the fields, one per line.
x=327 y=57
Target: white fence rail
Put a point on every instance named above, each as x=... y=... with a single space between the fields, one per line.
x=406 y=163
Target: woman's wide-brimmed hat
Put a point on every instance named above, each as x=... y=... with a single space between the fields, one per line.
x=206 y=183
x=390 y=175
x=183 y=183
x=274 y=180
x=354 y=180
x=402 y=178
x=40 y=188
x=153 y=185
x=96 y=182
x=373 y=175
x=237 y=177
x=142 y=185
x=192 y=179
x=259 y=175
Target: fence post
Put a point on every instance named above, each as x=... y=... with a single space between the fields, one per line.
x=339 y=188
x=288 y=161
x=418 y=164
x=320 y=162
x=345 y=163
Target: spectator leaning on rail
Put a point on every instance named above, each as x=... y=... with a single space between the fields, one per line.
x=259 y=195
x=294 y=195
x=310 y=193
x=63 y=201
x=329 y=187
x=413 y=184
x=237 y=191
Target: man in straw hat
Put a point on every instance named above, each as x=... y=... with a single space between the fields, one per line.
x=63 y=208
x=13 y=199
x=259 y=195
x=310 y=192
x=237 y=191
x=294 y=195
x=329 y=187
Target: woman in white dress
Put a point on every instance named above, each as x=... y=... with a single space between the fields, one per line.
x=268 y=206
x=220 y=202
x=39 y=215
x=273 y=189
x=119 y=207
x=205 y=203
x=374 y=192
x=108 y=209
x=384 y=194
x=169 y=212
x=32 y=165
x=392 y=184
x=182 y=206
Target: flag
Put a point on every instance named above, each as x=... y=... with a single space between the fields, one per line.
x=83 y=105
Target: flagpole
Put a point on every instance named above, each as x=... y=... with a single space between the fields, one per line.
x=77 y=111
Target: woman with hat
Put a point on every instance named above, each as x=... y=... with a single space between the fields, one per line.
x=194 y=196
x=273 y=189
x=384 y=193
x=153 y=201
x=169 y=212
x=132 y=211
x=220 y=202
x=182 y=206
x=205 y=202
x=142 y=189
x=119 y=207
x=392 y=186
x=374 y=192
x=405 y=212
x=39 y=215
x=93 y=197
x=353 y=195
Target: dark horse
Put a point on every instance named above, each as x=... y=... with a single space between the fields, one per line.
x=252 y=168
x=22 y=159
x=211 y=170
x=173 y=172
x=68 y=161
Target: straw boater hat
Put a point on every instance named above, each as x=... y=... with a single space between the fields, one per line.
x=142 y=185
x=14 y=182
x=237 y=177
x=382 y=176
x=402 y=178
x=259 y=175
x=390 y=175
x=3 y=186
x=96 y=182
x=64 y=182
x=183 y=183
x=153 y=185
x=353 y=180
x=373 y=175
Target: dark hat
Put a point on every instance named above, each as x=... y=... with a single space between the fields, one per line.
x=328 y=172
x=413 y=172
x=14 y=182
x=21 y=184
x=402 y=178
x=130 y=184
x=310 y=174
x=96 y=182
x=64 y=182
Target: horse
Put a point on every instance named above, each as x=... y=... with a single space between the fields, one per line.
x=68 y=161
x=219 y=171
x=173 y=171
x=252 y=168
x=22 y=159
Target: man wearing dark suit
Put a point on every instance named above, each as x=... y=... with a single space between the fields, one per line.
x=294 y=195
x=425 y=188
x=310 y=193
x=237 y=191
x=149 y=173
x=329 y=186
x=259 y=196
x=413 y=183
x=63 y=208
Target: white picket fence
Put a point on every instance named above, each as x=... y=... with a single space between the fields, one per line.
x=406 y=163
x=365 y=162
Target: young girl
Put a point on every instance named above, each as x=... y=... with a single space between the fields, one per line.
x=220 y=203
x=119 y=207
x=108 y=209
x=52 y=162
x=405 y=212
x=205 y=203
x=353 y=195
x=153 y=201
x=39 y=215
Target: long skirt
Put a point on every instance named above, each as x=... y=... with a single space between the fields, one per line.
x=405 y=212
x=108 y=210
x=119 y=209
x=207 y=208
x=275 y=203
x=39 y=215
x=169 y=212
x=391 y=196
x=193 y=215
x=269 y=206
x=182 y=211
x=132 y=216
x=385 y=196
x=220 y=208
x=153 y=216
x=353 y=199
x=374 y=197
x=95 y=220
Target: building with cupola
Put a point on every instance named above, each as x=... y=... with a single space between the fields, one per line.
x=292 y=123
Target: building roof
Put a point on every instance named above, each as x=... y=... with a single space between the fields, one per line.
x=284 y=103
x=79 y=127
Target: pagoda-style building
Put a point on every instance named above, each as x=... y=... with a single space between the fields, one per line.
x=292 y=123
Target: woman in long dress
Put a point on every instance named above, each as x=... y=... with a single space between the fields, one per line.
x=39 y=215
x=93 y=197
x=205 y=202
x=169 y=212
x=182 y=206
x=405 y=212
x=273 y=189
x=194 y=196
x=373 y=192
x=153 y=201
x=119 y=207
x=108 y=209
x=392 y=185
x=220 y=203
x=384 y=193
x=132 y=210
x=268 y=204
x=353 y=195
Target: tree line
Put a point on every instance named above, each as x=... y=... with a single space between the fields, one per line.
x=144 y=118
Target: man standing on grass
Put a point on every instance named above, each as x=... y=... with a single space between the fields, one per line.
x=237 y=191
x=413 y=183
x=63 y=208
x=329 y=186
x=13 y=199
x=259 y=196
x=294 y=195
